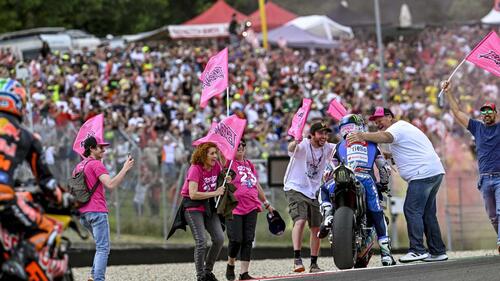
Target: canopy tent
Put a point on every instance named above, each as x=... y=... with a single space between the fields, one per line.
x=295 y=37
x=493 y=17
x=276 y=16
x=214 y=22
x=322 y=26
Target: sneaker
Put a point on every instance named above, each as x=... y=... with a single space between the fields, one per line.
x=314 y=268
x=230 y=276
x=410 y=257
x=387 y=260
x=431 y=258
x=246 y=276
x=298 y=266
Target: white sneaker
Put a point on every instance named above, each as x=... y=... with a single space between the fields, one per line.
x=431 y=258
x=410 y=257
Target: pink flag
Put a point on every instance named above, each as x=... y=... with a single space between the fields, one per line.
x=487 y=54
x=299 y=120
x=336 y=110
x=214 y=79
x=226 y=135
x=94 y=127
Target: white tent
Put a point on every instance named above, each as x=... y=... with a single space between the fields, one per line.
x=322 y=26
x=493 y=17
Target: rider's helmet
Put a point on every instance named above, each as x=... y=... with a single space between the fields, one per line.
x=351 y=123
x=12 y=97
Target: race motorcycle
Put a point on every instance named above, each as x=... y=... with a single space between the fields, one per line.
x=39 y=268
x=352 y=236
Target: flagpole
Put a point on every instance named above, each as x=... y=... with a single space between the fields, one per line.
x=451 y=76
x=224 y=183
x=227 y=101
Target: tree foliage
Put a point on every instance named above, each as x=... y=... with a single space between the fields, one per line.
x=116 y=17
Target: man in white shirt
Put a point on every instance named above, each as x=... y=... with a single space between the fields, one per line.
x=302 y=187
x=420 y=166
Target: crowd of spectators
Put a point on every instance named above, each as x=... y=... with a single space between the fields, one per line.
x=150 y=92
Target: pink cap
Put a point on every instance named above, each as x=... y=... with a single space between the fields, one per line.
x=380 y=112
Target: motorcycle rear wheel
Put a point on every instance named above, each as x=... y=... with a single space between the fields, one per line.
x=343 y=247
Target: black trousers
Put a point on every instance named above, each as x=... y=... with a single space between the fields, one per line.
x=241 y=233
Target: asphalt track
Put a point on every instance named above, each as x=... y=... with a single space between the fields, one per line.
x=461 y=269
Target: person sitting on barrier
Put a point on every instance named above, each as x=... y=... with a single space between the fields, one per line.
x=361 y=156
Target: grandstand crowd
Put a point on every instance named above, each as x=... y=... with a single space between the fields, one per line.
x=152 y=91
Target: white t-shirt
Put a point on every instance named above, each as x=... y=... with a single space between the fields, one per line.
x=307 y=168
x=413 y=152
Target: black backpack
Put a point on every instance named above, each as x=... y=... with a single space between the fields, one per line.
x=78 y=187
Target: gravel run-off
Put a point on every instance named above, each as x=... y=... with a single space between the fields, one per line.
x=258 y=268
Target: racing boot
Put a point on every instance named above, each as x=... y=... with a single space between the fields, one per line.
x=327 y=223
x=385 y=252
x=325 y=227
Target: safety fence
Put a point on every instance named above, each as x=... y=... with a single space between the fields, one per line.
x=146 y=202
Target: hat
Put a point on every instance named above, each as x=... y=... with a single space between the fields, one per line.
x=93 y=142
x=490 y=105
x=318 y=127
x=276 y=223
x=380 y=112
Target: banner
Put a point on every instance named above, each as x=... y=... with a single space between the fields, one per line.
x=94 y=127
x=487 y=54
x=199 y=30
x=214 y=79
x=226 y=135
x=336 y=110
x=299 y=120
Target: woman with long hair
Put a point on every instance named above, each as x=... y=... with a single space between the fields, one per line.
x=199 y=191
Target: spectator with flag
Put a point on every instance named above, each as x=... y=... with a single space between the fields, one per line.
x=302 y=182
x=201 y=194
x=198 y=192
x=487 y=138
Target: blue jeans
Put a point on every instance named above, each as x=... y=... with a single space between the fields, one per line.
x=420 y=214
x=98 y=225
x=489 y=185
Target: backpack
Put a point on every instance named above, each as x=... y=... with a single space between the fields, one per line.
x=78 y=187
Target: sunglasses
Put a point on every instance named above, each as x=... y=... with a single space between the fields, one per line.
x=242 y=145
x=487 y=111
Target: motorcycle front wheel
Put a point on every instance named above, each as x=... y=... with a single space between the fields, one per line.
x=343 y=247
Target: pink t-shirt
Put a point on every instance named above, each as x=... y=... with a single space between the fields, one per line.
x=206 y=179
x=246 y=187
x=93 y=170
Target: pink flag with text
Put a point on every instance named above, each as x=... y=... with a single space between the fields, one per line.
x=487 y=54
x=226 y=135
x=94 y=127
x=336 y=110
x=214 y=79
x=299 y=119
